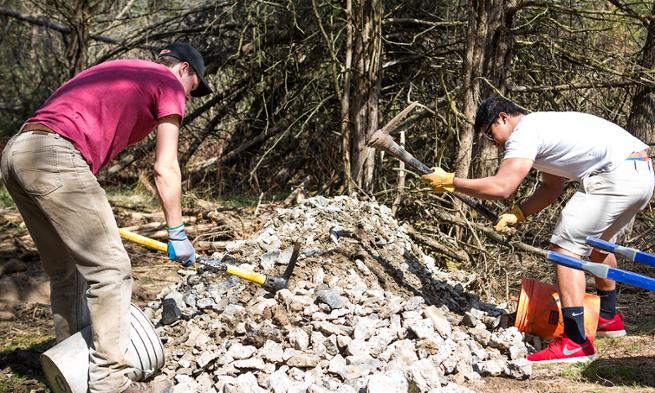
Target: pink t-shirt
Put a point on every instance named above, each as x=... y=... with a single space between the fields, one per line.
x=111 y=105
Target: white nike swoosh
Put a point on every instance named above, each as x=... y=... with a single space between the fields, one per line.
x=569 y=352
x=576 y=314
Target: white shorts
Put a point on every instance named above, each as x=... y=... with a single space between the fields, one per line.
x=603 y=205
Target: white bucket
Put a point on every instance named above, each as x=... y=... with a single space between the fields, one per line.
x=66 y=365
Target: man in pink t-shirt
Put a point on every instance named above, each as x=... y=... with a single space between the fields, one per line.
x=49 y=169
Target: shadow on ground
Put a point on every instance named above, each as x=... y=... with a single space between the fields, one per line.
x=21 y=370
x=623 y=371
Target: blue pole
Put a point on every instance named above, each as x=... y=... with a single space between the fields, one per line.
x=603 y=271
x=631 y=254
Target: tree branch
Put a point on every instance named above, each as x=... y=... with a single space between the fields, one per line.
x=43 y=21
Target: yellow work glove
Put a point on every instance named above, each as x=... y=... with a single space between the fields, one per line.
x=439 y=180
x=508 y=219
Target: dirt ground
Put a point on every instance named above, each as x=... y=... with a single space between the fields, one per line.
x=26 y=330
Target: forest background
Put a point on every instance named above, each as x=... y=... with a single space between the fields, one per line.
x=299 y=86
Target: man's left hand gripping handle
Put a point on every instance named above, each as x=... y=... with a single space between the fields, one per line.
x=180 y=248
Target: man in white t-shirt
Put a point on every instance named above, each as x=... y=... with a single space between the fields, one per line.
x=616 y=181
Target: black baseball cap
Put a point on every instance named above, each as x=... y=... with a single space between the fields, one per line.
x=189 y=54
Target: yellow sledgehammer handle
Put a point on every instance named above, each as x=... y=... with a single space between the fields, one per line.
x=142 y=240
x=246 y=274
x=159 y=246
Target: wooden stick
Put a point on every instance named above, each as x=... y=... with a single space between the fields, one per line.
x=401 y=179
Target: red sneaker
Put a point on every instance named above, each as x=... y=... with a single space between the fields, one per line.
x=563 y=350
x=611 y=327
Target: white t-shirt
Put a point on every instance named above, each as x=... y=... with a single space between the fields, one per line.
x=570 y=144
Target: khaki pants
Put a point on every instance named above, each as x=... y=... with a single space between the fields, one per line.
x=604 y=205
x=68 y=216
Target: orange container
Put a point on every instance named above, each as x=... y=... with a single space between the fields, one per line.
x=539 y=311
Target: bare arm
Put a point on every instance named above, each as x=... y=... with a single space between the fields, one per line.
x=168 y=177
x=549 y=190
x=502 y=185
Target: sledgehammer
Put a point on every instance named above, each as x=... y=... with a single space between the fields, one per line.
x=270 y=283
x=381 y=140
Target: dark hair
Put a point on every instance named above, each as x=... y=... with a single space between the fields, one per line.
x=491 y=107
x=170 y=61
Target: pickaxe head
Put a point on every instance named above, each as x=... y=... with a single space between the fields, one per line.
x=380 y=140
x=275 y=283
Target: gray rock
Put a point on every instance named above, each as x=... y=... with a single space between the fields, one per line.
x=245 y=383
x=472 y=318
x=298 y=339
x=272 y=352
x=185 y=384
x=267 y=261
x=194 y=279
x=336 y=314
x=330 y=328
x=331 y=345
x=346 y=389
x=205 y=358
x=519 y=369
x=422 y=328
x=381 y=340
x=424 y=376
x=318 y=342
x=364 y=328
x=388 y=382
x=299 y=303
x=338 y=367
x=303 y=360
x=482 y=336
x=358 y=347
x=177 y=297
x=278 y=382
x=413 y=303
x=170 y=312
x=492 y=367
x=239 y=351
x=517 y=351
x=251 y=363
x=233 y=314
x=330 y=297
x=319 y=276
x=190 y=300
x=361 y=266
x=206 y=302
x=439 y=321
x=364 y=362
x=505 y=338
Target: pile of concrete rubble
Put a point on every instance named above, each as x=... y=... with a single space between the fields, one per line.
x=366 y=310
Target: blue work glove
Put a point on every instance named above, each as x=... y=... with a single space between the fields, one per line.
x=180 y=248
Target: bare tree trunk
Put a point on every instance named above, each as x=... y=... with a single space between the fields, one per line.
x=497 y=63
x=472 y=70
x=641 y=121
x=345 y=99
x=366 y=89
x=77 y=15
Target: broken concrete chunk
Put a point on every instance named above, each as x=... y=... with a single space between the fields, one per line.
x=330 y=297
x=170 y=312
